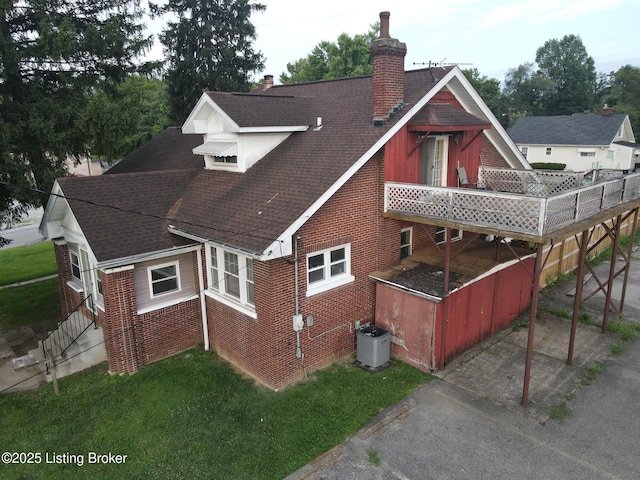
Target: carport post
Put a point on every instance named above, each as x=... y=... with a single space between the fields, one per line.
x=578 y=295
x=532 y=324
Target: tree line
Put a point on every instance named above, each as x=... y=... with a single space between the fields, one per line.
x=74 y=82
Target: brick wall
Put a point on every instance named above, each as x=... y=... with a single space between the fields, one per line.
x=490 y=157
x=266 y=348
x=132 y=340
x=69 y=298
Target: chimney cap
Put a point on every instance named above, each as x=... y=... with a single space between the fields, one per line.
x=384 y=24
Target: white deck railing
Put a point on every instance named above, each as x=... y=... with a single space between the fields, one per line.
x=530 y=214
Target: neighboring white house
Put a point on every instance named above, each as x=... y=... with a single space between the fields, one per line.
x=582 y=141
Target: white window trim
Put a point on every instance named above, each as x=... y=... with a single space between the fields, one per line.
x=220 y=294
x=71 y=264
x=329 y=282
x=410 y=244
x=548 y=151
x=157 y=267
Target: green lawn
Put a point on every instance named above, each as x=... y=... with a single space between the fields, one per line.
x=24 y=263
x=35 y=304
x=191 y=416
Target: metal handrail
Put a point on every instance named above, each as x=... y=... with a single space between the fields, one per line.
x=75 y=324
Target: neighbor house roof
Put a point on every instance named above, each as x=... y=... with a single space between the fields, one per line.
x=579 y=129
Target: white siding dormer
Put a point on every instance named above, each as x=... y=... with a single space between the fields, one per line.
x=226 y=145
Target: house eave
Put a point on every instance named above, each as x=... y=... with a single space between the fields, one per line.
x=225 y=246
x=143 y=257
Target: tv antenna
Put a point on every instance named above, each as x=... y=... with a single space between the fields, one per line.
x=441 y=63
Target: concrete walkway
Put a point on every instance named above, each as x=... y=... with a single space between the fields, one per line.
x=583 y=421
x=26 y=378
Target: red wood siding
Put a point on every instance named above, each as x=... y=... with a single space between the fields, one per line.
x=411 y=320
x=402 y=152
x=475 y=312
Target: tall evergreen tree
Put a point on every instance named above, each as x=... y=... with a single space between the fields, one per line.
x=52 y=53
x=209 y=46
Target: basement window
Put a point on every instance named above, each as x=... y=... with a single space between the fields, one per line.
x=405 y=242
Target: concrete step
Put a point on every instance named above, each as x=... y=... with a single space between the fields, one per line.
x=85 y=353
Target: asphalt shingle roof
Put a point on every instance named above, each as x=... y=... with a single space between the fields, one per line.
x=245 y=210
x=579 y=129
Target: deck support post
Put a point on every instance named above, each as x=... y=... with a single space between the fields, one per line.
x=532 y=324
x=578 y=295
x=629 y=253
x=445 y=299
x=612 y=271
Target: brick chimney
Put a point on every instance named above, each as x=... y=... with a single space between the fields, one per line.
x=606 y=110
x=388 y=72
x=267 y=82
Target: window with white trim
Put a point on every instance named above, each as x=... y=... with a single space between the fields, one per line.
x=525 y=151
x=547 y=151
x=441 y=235
x=230 y=276
x=327 y=269
x=405 y=242
x=164 y=279
x=75 y=265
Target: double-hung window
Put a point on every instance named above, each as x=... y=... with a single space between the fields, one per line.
x=75 y=265
x=164 y=279
x=231 y=279
x=328 y=269
x=405 y=242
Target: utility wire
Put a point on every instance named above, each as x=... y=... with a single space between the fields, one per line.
x=136 y=212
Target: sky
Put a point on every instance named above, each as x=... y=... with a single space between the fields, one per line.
x=490 y=35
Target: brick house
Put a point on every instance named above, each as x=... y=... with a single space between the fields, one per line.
x=256 y=227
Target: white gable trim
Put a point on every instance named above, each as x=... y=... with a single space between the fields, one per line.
x=192 y=123
x=283 y=246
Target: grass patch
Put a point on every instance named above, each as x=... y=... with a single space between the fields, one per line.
x=191 y=416
x=374 y=458
x=519 y=325
x=594 y=370
x=558 y=312
x=626 y=330
x=585 y=319
x=36 y=304
x=25 y=263
x=560 y=412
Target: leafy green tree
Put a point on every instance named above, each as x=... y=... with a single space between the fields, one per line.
x=525 y=92
x=52 y=53
x=348 y=57
x=567 y=63
x=488 y=88
x=624 y=94
x=209 y=46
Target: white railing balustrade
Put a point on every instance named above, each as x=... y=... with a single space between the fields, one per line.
x=532 y=213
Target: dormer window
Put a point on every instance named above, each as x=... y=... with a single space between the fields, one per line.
x=219 y=159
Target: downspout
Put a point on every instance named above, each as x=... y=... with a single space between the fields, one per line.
x=203 y=303
x=297 y=295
